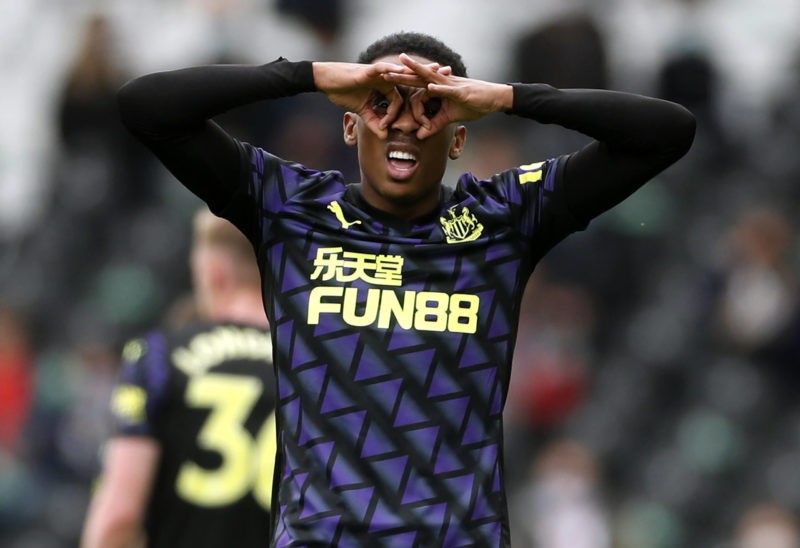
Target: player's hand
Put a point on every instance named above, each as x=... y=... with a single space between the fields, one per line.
x=443 y=98
x=362 y=88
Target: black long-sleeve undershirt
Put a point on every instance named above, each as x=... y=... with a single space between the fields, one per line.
x=170 y=112
x=635 y=137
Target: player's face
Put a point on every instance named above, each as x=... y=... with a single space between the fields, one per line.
x=401 y=174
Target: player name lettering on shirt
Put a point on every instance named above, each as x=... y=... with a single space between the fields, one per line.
x=223 y=343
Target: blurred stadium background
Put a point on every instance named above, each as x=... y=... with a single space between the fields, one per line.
x=654 y=397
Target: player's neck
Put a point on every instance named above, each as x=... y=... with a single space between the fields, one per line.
x=242 y=307
x=388 y=215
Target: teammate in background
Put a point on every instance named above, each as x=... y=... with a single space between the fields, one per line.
x=191 y=460
x=394 y=301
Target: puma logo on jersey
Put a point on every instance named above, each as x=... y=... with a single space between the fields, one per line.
x=336 y=209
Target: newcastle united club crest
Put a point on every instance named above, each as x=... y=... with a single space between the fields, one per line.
x=460 y=227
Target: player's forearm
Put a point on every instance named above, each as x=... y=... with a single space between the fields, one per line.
x=105 y=529
x=184 y=99
x=326 y=74
x=623 y=121
x=115 y=539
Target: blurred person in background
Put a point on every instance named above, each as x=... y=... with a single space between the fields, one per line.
x=191 y=460
x=561 y=502
x=100 y=163
x=692 y=79
x=325 y=19
x=88 y=92
x=16 y=378
x=552 y=363
x=551 y=371
x=17 y=386
x=99 y=180
x=394 y=302
x=767 y=526
x=756 y=311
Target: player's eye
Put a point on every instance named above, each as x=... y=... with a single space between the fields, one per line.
x=380 y=104
x=432 y=107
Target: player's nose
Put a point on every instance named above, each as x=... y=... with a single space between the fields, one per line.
x=405 y=120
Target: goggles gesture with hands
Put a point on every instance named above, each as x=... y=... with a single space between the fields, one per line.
x=366 y=90
x=443 y=98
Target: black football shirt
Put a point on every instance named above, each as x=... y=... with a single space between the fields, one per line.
x=206 y=395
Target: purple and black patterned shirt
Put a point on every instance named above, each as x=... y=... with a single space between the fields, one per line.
x=393 y=344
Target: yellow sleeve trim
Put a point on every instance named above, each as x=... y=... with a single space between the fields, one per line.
x=128 y=403
x=531 y=173
x=530 y=177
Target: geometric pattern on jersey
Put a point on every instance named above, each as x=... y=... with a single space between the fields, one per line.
x=392 y=344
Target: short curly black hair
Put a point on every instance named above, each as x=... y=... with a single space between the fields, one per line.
x=414 y=43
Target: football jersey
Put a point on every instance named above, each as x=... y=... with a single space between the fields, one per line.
x=206 y=395
x=392 y=344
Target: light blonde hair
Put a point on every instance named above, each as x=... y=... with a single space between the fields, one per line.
x=214 y=233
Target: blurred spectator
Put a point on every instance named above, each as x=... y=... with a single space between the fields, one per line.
x=305 y=128
x=84 y=426
x=102 y=181
x=550 y=374
x=324 y=18
x=553 y=354
x=566 y=52
x=309 y=129
x=562 y=505
x=779 y=153
x=16 y=378
x=91 y=82
x=101 y=170
x=757 y=312
x=750 y=45
x=44 y=492
x=692 y=79
x=492 y=147
x=768 y=526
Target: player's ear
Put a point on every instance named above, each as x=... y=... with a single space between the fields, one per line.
x=458 y=142
x=349 y=127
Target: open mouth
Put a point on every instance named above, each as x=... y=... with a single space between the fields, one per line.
x=401 y=163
